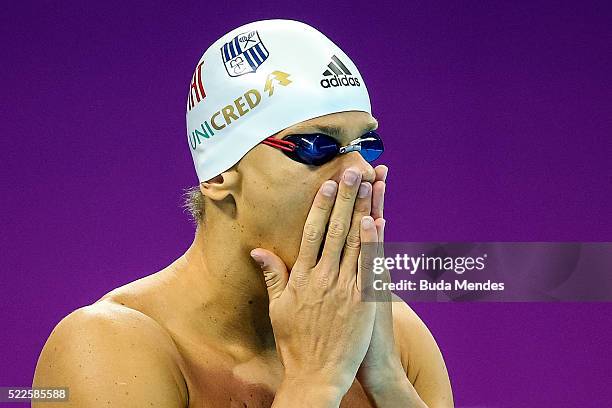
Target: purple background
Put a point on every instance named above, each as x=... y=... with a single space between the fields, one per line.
x=497 y=119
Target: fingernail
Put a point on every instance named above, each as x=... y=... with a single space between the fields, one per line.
x=367 y=222
x=385 y=174
x=329 y=188
x=364 y=190
x=351 y=176
x=257 y=258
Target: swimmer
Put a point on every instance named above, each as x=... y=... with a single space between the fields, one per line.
x=264 y=308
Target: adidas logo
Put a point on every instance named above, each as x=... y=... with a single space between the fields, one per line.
x=337 y=74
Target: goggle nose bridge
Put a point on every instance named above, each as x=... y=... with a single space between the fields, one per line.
x=355 y=145
x=350 y=148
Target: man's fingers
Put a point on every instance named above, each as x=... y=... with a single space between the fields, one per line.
x=382 y=296
x=352 y=246
x=378 y=199
x=315 y=225
x=380 y=229
x=369 y=238
x=378 y=191
x=340 y=219
x=274 y=271
x=381 y=172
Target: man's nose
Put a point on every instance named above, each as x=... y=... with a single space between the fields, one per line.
x=356 y=160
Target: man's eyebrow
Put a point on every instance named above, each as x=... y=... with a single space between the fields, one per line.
x=338 y=133
x=333 y=131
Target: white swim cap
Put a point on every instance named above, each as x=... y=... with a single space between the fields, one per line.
x=262 y=78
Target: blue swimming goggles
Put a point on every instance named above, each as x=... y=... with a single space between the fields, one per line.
x=318 y=148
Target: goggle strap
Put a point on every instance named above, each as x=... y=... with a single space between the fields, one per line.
x=280 y=144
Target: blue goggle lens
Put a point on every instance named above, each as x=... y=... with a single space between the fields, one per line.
x=371 y=149
x=317 y=149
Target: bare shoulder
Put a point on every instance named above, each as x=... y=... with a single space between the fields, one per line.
x=110 y=354
x=421 y=356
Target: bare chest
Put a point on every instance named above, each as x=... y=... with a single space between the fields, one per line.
x=218 y=380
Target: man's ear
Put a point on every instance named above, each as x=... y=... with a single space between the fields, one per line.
x=222 y=186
